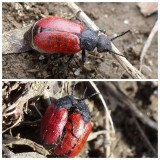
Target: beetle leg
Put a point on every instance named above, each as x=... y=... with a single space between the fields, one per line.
x=60 y=56
x=73 y=88
x=112 y=52
x=67 y=63
x=76 y=63
x=64 y=67
x=83 y=56
x=70 y=59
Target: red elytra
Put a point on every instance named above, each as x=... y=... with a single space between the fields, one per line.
x=52 y=124
x=60 y=24
x=56 y=35
x=74 y=137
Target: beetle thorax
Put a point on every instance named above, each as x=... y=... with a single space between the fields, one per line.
x=66 y=102
x=88 y=39
x=74 y=105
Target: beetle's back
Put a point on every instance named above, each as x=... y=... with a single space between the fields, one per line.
x=52 y=124
x=74 y=137
x=60 y=24
x=57 y=42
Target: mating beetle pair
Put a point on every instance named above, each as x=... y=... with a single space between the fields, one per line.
x=57 y=35
x=66 y=126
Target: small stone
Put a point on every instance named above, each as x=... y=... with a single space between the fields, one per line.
x=77 y=72
x=41 y=57
x=126 y=21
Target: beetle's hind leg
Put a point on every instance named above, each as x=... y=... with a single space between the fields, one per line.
x=69 y=60
x=61 y=70
x=112 y=52
x=83 y=56
x=65 y=66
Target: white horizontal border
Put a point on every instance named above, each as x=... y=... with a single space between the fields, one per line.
x=82 y=1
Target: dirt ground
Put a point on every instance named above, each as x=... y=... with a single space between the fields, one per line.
x=115 y=18
x=135 y=136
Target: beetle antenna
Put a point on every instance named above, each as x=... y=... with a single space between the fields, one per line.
x=119 y=35
x=84 y=92
x=68 y=88
x=73 y=88
x=117 y=54
x=88 y=97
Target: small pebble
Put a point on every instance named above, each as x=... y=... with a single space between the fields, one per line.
x=126 y=21
x=41 y=57
x=77 y=72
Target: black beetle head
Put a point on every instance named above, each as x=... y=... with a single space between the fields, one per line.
x=89 y=39
x=104 y=44
x=74 y=105
x=66 y=102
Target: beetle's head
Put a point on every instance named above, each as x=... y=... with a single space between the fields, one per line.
x=88 y=39
x=104 y=44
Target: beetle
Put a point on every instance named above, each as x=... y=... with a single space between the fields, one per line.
x=66 y=126
x=55 y=34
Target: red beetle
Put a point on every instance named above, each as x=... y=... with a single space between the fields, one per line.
x=57 y=35
x=66 y=126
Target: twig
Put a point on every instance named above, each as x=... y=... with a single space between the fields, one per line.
x=9 y=154
x=113 y=91
x=145 y=137
x=13 y=125
x=148 y=43
x=27 y=155
x=132 y=71
x=106 y=120
x=94 y=135
x=104 y=104
x=22 y=141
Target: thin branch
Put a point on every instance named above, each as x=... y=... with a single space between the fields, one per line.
x=104 y=104
x=145 y=137
x=22 y=141
x=132 y=71
x=148 y=43
x=113 y=91
x=107 y=120
x=94 y=135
